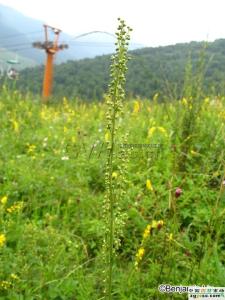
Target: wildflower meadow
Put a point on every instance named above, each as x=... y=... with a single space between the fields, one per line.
x=110 y=199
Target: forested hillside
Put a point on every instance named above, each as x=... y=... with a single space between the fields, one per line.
x=150 y=70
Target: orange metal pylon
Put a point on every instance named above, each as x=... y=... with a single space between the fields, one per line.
x=51 y=48
x=48 y=76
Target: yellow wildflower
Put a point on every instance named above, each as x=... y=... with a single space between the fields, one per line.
x=5 y=284
x=141 y=252
x=151 y=131
x=15 y=126
x=194 y=153
x=159 y=128
x=160 y=223
x=137 y=107
x=149 y=227
x=2 y=240
x=72 y=112
x=114 y=175
x=14 y=276
x=154 y=224
x=107 y=136
x=149 y=185
x=147 y=232
x=139 y=256
x=4 y=200
x=15 y=207
x=162 y=130
x=43 y=114
x=206 y=101
x=222 y=114
x=184 y=101
x=170 y=237
x=31 y=148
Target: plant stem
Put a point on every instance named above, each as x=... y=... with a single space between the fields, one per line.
x=111 y=218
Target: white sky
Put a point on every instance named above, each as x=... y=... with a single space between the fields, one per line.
x=155 y=22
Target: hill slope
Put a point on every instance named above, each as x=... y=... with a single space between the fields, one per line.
x=18 y=32
x=150 y=70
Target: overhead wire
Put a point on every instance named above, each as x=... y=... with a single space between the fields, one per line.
x=73 y=39
x=19 y=34
x=70 y=41
x=18 y=47
x=92 y=32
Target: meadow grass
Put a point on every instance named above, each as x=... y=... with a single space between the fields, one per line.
x=52 y=166
x=109 y=200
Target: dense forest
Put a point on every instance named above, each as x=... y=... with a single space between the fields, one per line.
x=150 y=70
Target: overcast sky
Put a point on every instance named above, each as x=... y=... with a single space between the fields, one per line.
x=155 y=22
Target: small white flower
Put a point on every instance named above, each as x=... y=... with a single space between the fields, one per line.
x=64 y=158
